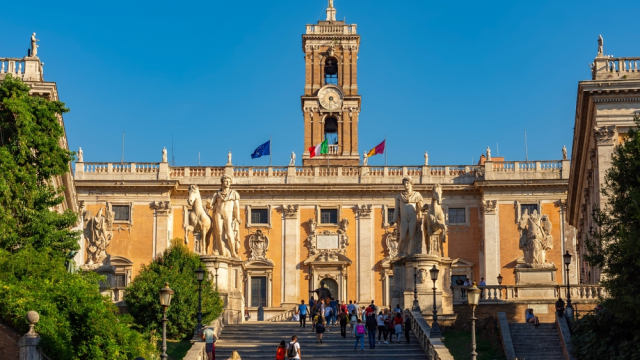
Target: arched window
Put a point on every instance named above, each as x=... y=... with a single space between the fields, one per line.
x=331 y=71
x=331 y=130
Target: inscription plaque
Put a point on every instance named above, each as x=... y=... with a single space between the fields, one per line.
x=328 y=241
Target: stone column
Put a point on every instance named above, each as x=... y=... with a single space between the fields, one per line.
x=228 y=286
x=269 y=288
x=248 y=288
x=365 y=259
x=490 y=264
x=162 y=211
x=291 y=256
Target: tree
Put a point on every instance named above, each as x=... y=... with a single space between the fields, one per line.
x=612 y=333
x=30 y=157
x=76 y=321
x=176 y=266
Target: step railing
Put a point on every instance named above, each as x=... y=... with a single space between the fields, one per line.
x=285 y=316
x=506 y=293
x=433 y=347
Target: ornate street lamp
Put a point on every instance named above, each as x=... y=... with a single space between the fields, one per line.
x=200 y=277
x=500 y=284
x=569 y=309
x=216 y=265
x=165 y=301
x=435 y=327
x=474 y=299
x=416 y=303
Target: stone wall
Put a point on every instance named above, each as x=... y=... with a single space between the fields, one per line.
x=516 y=311
x=9 y=348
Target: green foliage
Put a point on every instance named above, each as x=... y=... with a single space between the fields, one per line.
x=176 y=266
x=458 y=342
x=30 y=157
x=76 y=322
x=615 y=248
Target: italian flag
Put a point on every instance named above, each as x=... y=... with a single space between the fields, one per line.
x=320 y=149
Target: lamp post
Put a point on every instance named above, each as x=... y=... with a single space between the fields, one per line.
x=569 y=309
x=474 y=299
x=416 y=303
x=216 y=265
x=165 y=301
x=200 y=277
x=435 y=327
x=500 y=284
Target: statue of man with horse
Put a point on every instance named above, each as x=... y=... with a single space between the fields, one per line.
x=226 y=218
x=199 y=221
x=408 y=216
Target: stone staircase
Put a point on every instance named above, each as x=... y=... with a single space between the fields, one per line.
x=259 y=340
x=541 y=343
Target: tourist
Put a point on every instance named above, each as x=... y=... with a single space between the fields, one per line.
x=560 y=307
x=372 y=326
x=313 y=313
x=334 y=306
x=312 y=302
x=467 y=282
x=482 y=283
x=282 y=351
x=319 y=331
x=210 y=339
x=382 y=329
x=388 y=320
x=296 y=315
x=407 y=327
x=303 y=309
x=363 y=314
x=359 y=331
x=532 y=318
x=343 y=307
x=293 y=349
x=371 y=309
x=351 y=307
x=234 y=356
x=397 y=322
x=354 y=319
x=316 y=319
x=344 y=319
x=328 y=314
x=398 y=309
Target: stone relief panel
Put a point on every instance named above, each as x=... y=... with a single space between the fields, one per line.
x=98 y=232
x=328 y=241
x=605 y=135
x=535 y=239
x=259 y=244
x=392 y=244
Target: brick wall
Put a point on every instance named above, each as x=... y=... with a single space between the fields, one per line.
x=9 y=348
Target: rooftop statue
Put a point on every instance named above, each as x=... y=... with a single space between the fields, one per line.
x=34 y=45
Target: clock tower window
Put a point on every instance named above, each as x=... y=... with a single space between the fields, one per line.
x=331 y=131
x=331 y=71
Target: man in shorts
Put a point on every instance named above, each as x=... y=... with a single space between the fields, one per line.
x=210 y=339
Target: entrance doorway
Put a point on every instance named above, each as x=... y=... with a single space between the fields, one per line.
x=332 y=285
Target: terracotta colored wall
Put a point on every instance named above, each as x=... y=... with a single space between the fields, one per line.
x=352 y=273
x=380 y=246
x=555 y=255
x=305 y=215
x=178 y=230
x=466 y=244
x=509 y=243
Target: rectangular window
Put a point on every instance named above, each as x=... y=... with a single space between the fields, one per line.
x=390 y=288
x=390 y=212
x=121 y=281
x=530 y=207
x=328 y=216
x=457 y=216
x=259 y=216
x=121 y=212
x=258 y=291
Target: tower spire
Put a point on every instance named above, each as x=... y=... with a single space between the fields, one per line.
x=331 y=12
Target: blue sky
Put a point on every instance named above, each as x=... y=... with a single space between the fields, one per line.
x=448 y=77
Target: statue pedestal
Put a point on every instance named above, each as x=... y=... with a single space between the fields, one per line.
x=230 y=273
x=535 y=283
x=403 y=294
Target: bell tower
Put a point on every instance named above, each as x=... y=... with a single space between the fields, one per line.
x=331 y=104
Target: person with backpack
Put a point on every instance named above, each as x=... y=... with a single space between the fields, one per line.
x=372 y=326
x=319 y=331
x=397 y=321
x=407 y=328
x=303 y=309
x=344 y=319
x=293 y=349
x=282 y=351
x=328 y=314
x=314 y=313
x=210 y=338
x=382 y=329
x=359 y=331
x=353 y=320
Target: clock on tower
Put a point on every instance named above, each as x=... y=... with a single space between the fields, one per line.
x=331 y=104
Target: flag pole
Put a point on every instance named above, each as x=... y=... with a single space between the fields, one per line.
x=385 y=150
x=269 y=150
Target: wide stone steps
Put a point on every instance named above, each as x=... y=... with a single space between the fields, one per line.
x=541 y=343
x=259 y=340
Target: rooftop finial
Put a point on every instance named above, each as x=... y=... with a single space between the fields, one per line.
x=331 y=12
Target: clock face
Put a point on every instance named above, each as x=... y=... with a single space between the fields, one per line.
x=330 y=98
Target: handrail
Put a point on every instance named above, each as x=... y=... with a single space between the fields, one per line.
x=282 y=316
x=506 y=293
x=433 y=347
x=505 y=334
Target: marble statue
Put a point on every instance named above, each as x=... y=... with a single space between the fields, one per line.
x=199 y=221
x=435 y=224
x=426 y=158
x=535 y=239
x=258 y=243
x=98 y=234
x=80 y=155
x=564 y=152
x=164 y=154
x=226 y=218
x=292 y=162
x=365 y=159
x=322 y=293
x=229 y=158
x=408 y=216
x=600 y=45
x=392 y=243
x=34 y=45
x=488 y=154
x=312 y=225
x=344 y=225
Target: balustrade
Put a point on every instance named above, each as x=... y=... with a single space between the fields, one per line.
x=280 y=171
x=241 y=172
x=333 y=149
x=304 y=171
x=196 y=172
x=332 y=29
x=414 y=171
x=147 y=168
x=395 y=171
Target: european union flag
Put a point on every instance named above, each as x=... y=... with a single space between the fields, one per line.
x=264 y=149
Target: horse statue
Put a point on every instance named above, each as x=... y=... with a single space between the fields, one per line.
x=199 y=220
x=436 y=223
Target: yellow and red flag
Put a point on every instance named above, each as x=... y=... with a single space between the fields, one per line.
x=379 y=149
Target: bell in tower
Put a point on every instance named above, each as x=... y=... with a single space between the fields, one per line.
x=331 y=104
